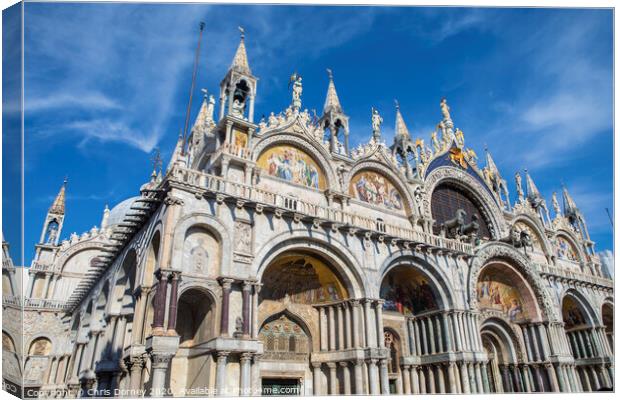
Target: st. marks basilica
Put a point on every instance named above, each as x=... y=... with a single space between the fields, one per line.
x=269 y=257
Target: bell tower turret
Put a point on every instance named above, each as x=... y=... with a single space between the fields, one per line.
x=54 y=219
x=334 y=119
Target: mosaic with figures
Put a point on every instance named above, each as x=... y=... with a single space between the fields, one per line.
x=407 y=292
x=293 y=165
x=497 y=293
x=303 y=280
x=564 y=250
x=283 y=339
x=572 y=314
x=375 y=189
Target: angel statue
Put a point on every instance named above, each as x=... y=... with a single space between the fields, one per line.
x=295 y=80
x=555 y=203
x=377 y=120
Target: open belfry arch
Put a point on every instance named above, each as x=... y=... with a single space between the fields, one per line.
x=273 y=256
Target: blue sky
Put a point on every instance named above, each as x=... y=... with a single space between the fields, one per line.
x=107 y=83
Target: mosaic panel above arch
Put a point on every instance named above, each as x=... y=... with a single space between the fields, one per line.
x=565 y=250
x=498 y=291
x=407 y=291
x=374 y=188
x=292 y=164
x=572 y=313
x=303 y=279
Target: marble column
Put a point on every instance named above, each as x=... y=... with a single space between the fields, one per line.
x=553 y=379
x=316 y=378
x=245 y=308
x=415 y=380
x=418 y=337
x=369 y=324
x=226 y=286
x=257 y=287
x=478 y=374
x=585 y=380
x=385 y=383
x=464 y=379
x=347 y=325
x=447 y=335
x=135 y=377
x=440 y=334
x=339 y=314
x=425 y=348
x=172 y=310
x=323 y=329
x=220 y=373
x=359 y=380
x=410 y=336
x=596 y=383
x=346 y=374
x=431 y=334
x=452 y=377
x=373 y=376
x=333 y=378
x=431 y=382
x=159 y=368
x=245 y=386
x=379 y=317
x=422 y=376
x=485 y=378
x=534 y=343
x=455 y=332
x=472 y=378
x=160 y=304
x=441 y=379
x=406 y=379
x=356 y=325
x=560 y=376
x=331 y=321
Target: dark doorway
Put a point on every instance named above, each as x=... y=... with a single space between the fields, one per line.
x=281 y=387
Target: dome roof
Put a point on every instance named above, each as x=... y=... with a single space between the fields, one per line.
x=117 y=214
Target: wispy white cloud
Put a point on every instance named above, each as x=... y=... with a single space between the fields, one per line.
x=91 y=101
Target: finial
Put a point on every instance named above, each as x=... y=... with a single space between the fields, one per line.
x=203 y=90
x=156 y=159
x=242 y=32
x=397 y=104
x=202 y=25
x=330 y=74
x=486 y=148
x=65 y=180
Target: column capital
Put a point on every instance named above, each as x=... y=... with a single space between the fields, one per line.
x=222 y=356
x=343 y=364
x=354 y=302
x=372 y=361
x=359 y=362
x=383 y=362
x=247 y=285
x=246 y=357
x=405 y=367
x=331 y=365
x=316 y=365
x=161 y=360
x=226 y=283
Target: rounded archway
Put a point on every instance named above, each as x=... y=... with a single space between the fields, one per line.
x=585 y=343
x=407 y=290
x=303 y=308
x=608 y=322
x=502 y=350
x=195 y=325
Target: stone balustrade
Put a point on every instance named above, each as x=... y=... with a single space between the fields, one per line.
x=563 y=273
x=314 y=211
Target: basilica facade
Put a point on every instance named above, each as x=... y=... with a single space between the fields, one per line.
x=269 y=257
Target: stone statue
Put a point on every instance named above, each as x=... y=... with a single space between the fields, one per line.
x=460 y=138
x=273 y=120
x=436 y=146
x=555 y=203
x=210 y=108
x=237 y=108
x=238 y=326
x=472 y=228
x=377 y=120
x=53 y=234
x=445 y=110
x=519 y=187
x=297 y=89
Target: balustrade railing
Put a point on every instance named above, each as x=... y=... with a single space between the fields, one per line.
x=580 y=276
x=45 y=304
x=234 y=150
x=220 y=185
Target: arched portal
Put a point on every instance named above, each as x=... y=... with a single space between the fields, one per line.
x=195 y=326
x=407 y=290
x=586 y=343
x=502 y=369
x=302 y=306
x=608 y=322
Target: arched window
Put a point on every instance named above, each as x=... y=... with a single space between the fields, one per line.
x=445 y=202
x=40 y=347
